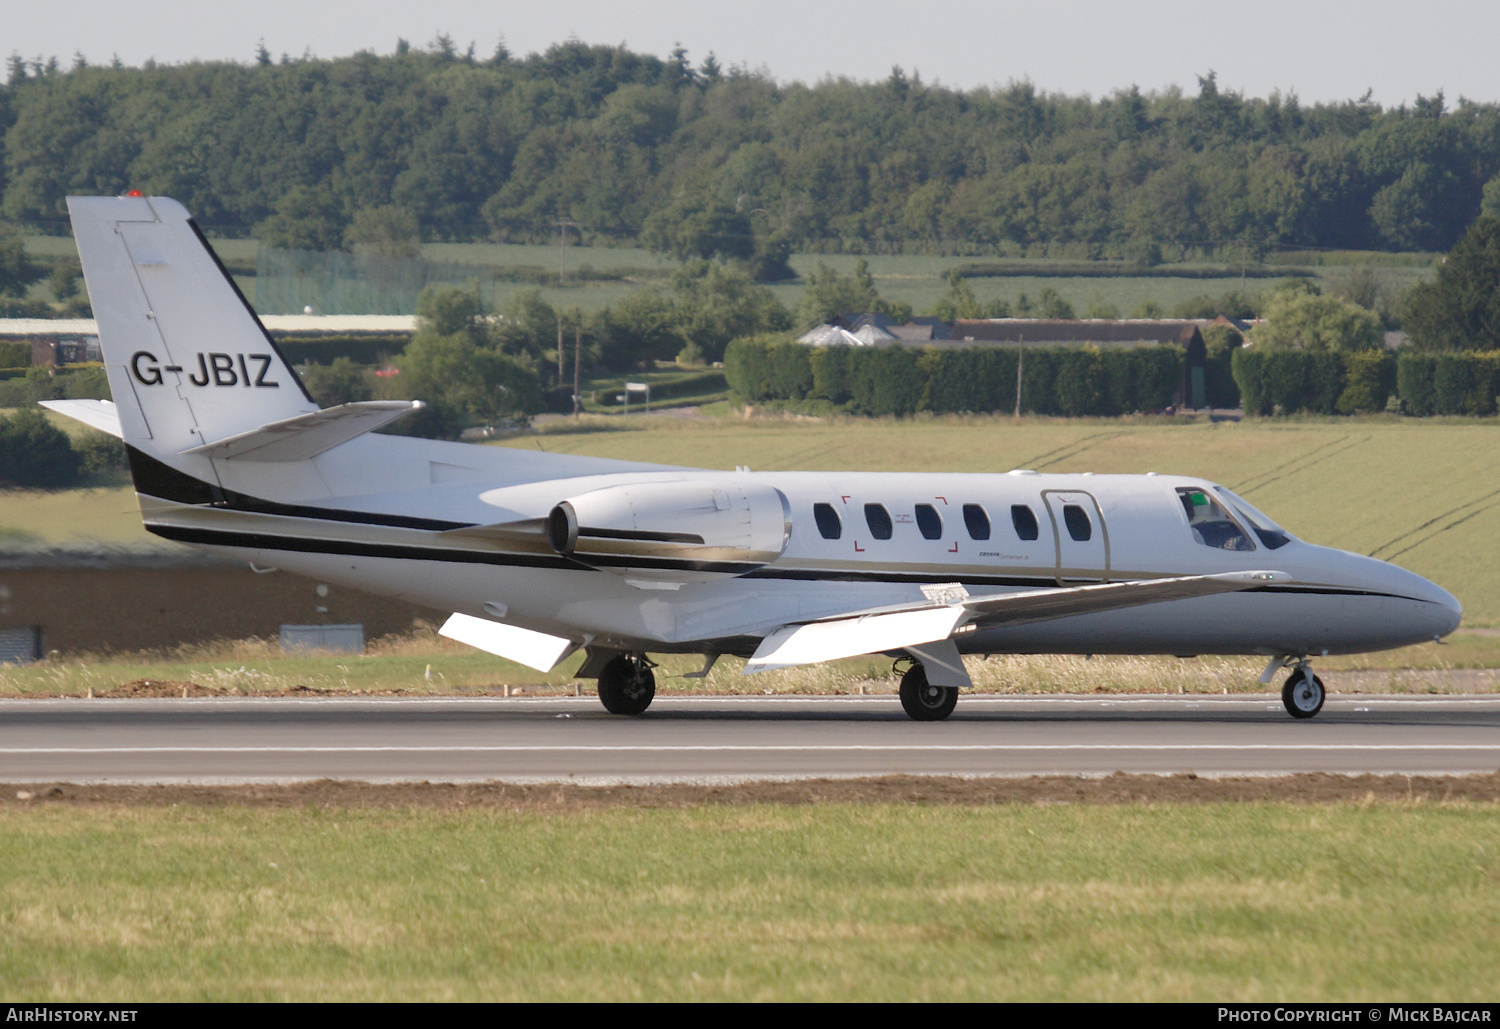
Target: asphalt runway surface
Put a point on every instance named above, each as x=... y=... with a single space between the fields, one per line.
x=703 y=739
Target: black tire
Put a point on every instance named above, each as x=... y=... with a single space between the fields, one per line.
x=923 y=702
x=626 y=686
x=1303 y=694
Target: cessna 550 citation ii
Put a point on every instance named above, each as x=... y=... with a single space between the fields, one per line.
x=539 y=555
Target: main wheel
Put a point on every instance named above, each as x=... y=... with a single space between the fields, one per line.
x=1302 y=696
x=923 y=701
x=626 y=686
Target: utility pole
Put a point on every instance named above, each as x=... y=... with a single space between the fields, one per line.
x=1020 y=365
x=577 y=360
x=559 y=347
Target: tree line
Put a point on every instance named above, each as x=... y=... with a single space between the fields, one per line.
x=710 y=162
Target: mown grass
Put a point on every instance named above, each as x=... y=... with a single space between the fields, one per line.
x=825 y=902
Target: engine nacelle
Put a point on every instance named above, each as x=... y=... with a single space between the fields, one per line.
x=673 y=532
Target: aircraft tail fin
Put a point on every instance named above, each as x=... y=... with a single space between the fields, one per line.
x=189 y=363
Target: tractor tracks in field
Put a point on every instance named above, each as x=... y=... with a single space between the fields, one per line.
x=1460 y=514
x=1301 y=463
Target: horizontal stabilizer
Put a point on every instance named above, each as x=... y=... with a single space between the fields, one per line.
x=888 y=629
x=308 y=435
x=533 y=649
x=96 y=414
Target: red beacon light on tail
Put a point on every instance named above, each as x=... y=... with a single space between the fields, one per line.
x=132 y=192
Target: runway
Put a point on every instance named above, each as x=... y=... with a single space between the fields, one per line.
x=224 y=740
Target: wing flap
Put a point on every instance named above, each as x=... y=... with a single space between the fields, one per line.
x=533 y=649
x=852 y=636
x=308 y=435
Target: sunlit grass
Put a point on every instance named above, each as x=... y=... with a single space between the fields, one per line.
x=824 y=902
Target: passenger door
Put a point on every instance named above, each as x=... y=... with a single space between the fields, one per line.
x=1082 y=538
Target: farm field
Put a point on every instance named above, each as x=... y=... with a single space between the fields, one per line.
x=557 y=899
x=913 y=279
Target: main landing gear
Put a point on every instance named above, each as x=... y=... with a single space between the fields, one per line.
x=1302 y=695
x=626 y=685
x=922 y=701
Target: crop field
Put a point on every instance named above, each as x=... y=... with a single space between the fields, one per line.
x=761 y=901
x=913 y=279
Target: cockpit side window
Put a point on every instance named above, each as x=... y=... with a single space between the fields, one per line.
x=1211 y=524
x=829 y=523
x=1271 y=535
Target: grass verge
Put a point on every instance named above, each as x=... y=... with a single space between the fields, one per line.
x=868 y=901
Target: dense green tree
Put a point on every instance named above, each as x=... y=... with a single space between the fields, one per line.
x=1459 y=309
x=34 y=453
x=713 y=304
x=17 y=271
x=386 y=231
x=826 y=294
x=704 y=161
x=1309 y=321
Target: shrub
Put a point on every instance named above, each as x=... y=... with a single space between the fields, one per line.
x=1369 y=379
x=34 y=453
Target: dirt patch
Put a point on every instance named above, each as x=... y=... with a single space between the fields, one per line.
x=899 y=789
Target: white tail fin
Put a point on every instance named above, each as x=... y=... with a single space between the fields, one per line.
x=188 y=361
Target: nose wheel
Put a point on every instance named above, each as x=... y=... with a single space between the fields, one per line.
x=1303 y=693
x=626 y=685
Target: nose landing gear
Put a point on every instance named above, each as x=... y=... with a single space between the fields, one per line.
x=1302 y=694
x=626 y=685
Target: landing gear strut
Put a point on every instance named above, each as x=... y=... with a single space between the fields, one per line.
x=626 y=685
x=922 y=701
x=1303 y=693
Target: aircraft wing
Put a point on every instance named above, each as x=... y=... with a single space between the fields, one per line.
x=898 y=628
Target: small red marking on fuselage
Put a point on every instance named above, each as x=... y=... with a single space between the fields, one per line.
x=953 y=549
x=943 y=499
x=845 y=498
x=858 y=548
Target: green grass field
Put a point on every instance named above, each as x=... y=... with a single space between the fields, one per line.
x=1171 y=902
x=910 y=278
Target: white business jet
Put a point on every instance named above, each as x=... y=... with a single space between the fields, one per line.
x=539 y=555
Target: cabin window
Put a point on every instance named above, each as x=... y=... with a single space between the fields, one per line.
x=1024 y=519
x=879 y=521
x=977 y=521
x=1211 y=524
x=1077 y=521
x=930 y=522
x=828 y=521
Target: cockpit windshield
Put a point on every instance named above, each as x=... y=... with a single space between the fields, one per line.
x=1271 y=535
x=1211 y=524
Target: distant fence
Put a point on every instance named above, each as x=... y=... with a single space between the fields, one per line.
x=289 y=281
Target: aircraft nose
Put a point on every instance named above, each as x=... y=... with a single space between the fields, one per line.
x=1441 y=611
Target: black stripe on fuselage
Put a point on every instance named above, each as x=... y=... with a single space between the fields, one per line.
x=162 y=481
x=392 y=551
